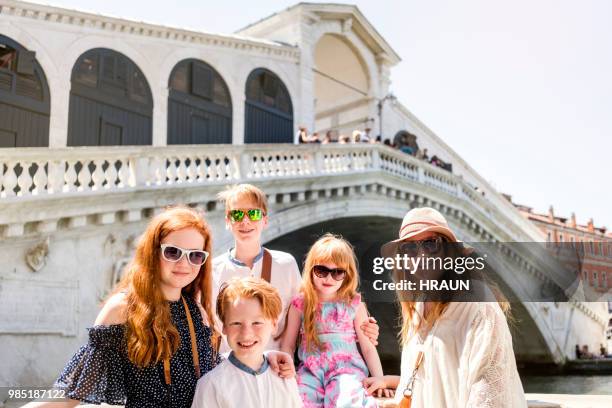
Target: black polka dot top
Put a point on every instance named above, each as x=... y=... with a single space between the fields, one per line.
x=100 y=372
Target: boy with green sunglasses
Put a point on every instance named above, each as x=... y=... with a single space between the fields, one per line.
x=246 y=216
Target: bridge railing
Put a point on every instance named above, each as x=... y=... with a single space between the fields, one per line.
x=28 y=174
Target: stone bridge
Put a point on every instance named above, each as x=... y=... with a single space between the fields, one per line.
x=69 y=218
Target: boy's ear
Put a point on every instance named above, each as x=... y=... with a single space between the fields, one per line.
x=265 y=221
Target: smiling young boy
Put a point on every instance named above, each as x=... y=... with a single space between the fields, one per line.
x=249 y=309
x=246 y=216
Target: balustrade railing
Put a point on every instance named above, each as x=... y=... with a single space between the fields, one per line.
x=30 y=173
x=27 y=173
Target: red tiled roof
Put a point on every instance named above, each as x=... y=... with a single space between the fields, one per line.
x=562 y=222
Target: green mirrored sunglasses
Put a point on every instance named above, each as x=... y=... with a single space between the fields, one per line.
x=254 y=214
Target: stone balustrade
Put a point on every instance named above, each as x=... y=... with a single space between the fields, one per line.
x=31 y=174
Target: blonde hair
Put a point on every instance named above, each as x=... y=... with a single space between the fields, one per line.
x=249 y=288
x=327 y=249
x=409 y=328
x=244 y=191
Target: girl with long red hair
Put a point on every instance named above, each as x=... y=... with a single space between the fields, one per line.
x=151 y=341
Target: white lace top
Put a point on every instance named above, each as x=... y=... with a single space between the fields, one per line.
x=468 y=361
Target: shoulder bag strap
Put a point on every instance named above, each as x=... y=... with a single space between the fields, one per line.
x=266 y=266
x=407 y=400
x=194 y=348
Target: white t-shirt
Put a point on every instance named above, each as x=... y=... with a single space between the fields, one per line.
x=285 y=276
x=232 y=384
x=468 y=361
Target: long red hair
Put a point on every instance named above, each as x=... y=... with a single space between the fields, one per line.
x=151 y=335
x=327 y=249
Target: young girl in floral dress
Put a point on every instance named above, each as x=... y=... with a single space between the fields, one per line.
x=328 y=314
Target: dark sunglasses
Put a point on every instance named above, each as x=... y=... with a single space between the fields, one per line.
x=322 y=271
x=427 y=247
x=172 y=253
x=254 y=214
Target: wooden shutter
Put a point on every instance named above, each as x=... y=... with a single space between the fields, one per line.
x=25 y=62
x=201 y=81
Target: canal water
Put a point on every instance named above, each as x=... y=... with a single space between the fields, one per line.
x=539 y=382
x=567 y=384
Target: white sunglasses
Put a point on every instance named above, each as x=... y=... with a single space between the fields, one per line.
x=172 y=253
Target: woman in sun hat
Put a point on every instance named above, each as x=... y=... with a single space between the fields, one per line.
x=454 y=354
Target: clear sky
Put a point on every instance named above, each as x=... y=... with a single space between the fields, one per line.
x=521 y=89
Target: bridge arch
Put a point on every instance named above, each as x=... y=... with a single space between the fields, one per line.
x=268 y=108
x=368 y=223
x=110 y=101
x=24 y=97
x=342 y=84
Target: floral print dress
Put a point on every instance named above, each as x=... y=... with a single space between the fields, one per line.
x=332 y=376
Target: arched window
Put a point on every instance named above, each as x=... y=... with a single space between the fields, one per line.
x=199 y=105
x=268 y=110
x=24 y=97
x=110 y=101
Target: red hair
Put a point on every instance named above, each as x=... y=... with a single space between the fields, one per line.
x=151 y=335
x=250 y=288
x=327 y=249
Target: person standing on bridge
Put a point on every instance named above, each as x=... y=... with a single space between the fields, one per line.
x=246 y=216
x=454 y=354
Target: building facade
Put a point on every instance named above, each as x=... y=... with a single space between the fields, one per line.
x=594 y=247
x=594 y=244
x=70 y=78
